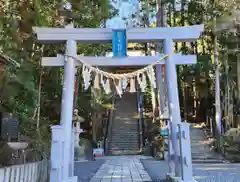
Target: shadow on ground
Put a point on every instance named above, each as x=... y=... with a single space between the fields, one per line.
x=157 y=170
x=202 y=172
x=87 y=169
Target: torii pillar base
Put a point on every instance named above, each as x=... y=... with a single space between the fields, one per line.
x=172 y=178
x=71 y=179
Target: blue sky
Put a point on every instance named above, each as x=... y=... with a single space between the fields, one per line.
x=126 y=9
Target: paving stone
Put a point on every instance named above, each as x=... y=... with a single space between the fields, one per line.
x=127 y=180
x=143 y=172
x=106 y=180
x=123 y=168
x=95 y=180
x=146 y=178
x=116 y=180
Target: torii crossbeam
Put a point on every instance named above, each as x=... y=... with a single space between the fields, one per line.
x=120 y=61
x=72 y=36
x=104 y=35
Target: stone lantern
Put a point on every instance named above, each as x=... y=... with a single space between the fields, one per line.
x=77 y=120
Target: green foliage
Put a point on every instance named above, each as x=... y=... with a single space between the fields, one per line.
x=19 y=87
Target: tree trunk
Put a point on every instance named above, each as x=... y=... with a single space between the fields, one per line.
x=227 y=92
x=148 y=49
x=77 y=81
x=217 y=89
x=238 y=75
x=161 y=18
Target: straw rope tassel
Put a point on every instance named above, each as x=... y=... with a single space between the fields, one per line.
x=107 y=87
x=86 y=73
x=132 y=85
x=153 y=77
x=96 y=82
x=149 y=76
x=102 y=80
x=139 y=81
x=144 y=82
x=119 y=88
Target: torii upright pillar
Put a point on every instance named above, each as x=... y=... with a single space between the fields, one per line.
x=67 y=105
x=173 y=102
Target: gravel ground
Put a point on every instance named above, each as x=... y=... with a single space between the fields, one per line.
x=87 y=169
x=202 y=172
x=217 y=172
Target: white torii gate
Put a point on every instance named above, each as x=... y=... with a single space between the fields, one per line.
x=62 y=170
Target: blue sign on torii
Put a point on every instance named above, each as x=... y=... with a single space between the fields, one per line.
x=119 y=43
x=119 y=47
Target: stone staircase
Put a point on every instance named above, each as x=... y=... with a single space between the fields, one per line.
x=124 y=131
x=201 y=147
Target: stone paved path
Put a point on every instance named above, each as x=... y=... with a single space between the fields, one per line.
x=122 y=169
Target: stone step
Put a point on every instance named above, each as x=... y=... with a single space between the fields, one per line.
x=124 y=126
x=122 y=137
x=124 y=152
x=125 y=140
x=127 y=121
x=125 y=132
x=207 y=161
x=123 y=148
x=126 y=114
x=122 y=142
x=122 y=134
x=127 y=145
x=117 y=143
x=124 y=121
